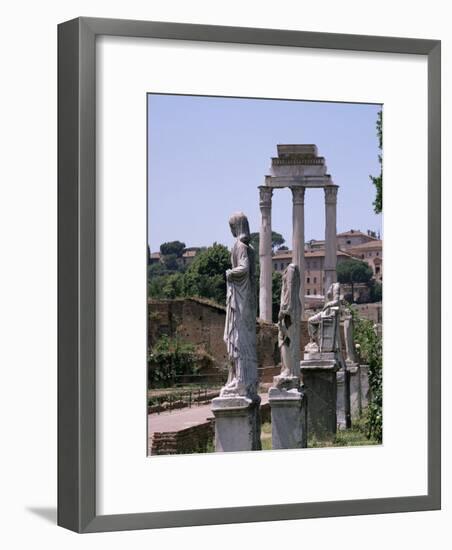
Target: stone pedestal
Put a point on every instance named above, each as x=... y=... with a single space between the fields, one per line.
x=364 y=385
x=237 y=423
x=318 y=373
x=344 y=396
x=289 y=418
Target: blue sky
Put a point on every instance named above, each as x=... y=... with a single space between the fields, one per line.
x=208 y=155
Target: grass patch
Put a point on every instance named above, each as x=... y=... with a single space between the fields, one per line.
x=354 y=437
x=266 y=436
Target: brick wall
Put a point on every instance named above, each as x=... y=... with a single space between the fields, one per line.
x=189 y=440
x=202 y=324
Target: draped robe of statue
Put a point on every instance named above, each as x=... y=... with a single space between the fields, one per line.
x=289 y=326
x=240 y=325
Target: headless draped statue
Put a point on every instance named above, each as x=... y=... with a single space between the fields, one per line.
x=289 y=328
x=240 y=325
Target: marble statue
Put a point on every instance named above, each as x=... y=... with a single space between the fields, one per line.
x=289 y=329
x=323 y=327
x=240 y=325
x=349 y=336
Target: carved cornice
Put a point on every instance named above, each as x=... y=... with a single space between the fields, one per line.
x=291 y=160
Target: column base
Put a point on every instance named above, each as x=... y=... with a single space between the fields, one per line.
x=237 y=423
x=289 y=418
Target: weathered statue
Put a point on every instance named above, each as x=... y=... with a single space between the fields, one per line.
x=289 y=328
x=349 y=336
x=240 y=326
x=323 y=327
x=286 y=397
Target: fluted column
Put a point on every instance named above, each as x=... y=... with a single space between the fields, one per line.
x=298 y=236
x=265 y=253
x=330 y=236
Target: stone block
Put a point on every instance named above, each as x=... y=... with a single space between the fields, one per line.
x=289 y=418
x=355 y=391
x=365 y=389
x=343 y=378
x=237 y=423
x=320 y=387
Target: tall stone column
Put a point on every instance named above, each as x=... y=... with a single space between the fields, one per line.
x=298 y=237
x=265 y=253
x=330 y=236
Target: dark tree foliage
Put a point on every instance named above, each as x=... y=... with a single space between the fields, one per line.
x=175 y=248
x=276 y=294
x=378 y=180
x=354 y=271
x=206 y=276
x=277 y=241
x=172 y=262
x=376 y=292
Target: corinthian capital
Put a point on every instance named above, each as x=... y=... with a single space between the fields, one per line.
x=297 y=195
x=330 y=194
x=265 y=196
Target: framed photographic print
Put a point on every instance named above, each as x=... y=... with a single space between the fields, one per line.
x=222 y=319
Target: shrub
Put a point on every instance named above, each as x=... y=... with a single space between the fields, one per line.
x=371 y=353
x=170 y=358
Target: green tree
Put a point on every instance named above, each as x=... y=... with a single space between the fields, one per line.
x=354 y=271
x=378 y=180
x=371 y=353
x=276 y=294
x=173 y=286
x=376 y=292
x=173 y=247
x=169 y=359
x=172 y=262
x=277 y=241
x=206 y=275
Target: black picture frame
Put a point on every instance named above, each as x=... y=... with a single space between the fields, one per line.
x=77 y=273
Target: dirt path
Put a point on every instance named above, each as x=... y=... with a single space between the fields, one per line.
x=183 y=418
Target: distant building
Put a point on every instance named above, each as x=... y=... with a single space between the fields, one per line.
x=352 y=244
x=154 y=258
x=187 y=256
x=314 y=267
x=372 y=253
x=345 y=240
x=355 y=237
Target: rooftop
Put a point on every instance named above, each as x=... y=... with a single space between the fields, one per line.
x=355 y=232
x=374 y=245
x=287 y=254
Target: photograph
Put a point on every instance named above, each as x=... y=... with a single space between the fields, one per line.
x=264 y=274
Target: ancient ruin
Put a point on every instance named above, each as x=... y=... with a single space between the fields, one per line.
x=297 y=167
